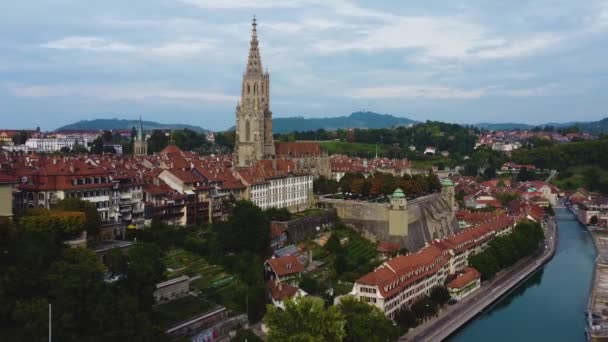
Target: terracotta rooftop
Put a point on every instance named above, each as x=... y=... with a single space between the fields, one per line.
x=469 y=275
x=286 y=265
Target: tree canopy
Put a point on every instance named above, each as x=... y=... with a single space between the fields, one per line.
x=305 y=319
x=365 y=322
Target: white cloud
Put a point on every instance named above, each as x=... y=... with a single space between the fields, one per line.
x=431 y=38
x=87 y=44
x=117 y=92
x=416 y=91
x=182 y=47
x=251 y=4
x=544 y=90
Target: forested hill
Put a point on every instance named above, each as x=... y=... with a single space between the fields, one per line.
x=398 y=142
x=580 y=164
x=122 y=124
x=354 y=120
x=600 y=126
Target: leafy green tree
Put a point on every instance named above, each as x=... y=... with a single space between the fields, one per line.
x=157 y=142
x=247 y=230
x=20 y=137
x=424 y=307
x=74 y=281
x=406 y=319
x=333 y=244
x=506 y=197
x=278 y=214
x=93 y=221
x=366 y=322
x=311 y=285
x=593 y=220
x=440 y=295
x=145 y=270
x=305 y=320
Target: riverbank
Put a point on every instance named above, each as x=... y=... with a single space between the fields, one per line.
x=597 y=309
x=454 y=317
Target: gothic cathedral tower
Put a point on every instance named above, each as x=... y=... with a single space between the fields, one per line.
x=253 y=116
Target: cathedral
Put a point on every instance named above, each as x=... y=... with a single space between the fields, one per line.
x=253 y=116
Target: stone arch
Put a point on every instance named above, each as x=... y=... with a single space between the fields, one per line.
x=247 y=130
x=248 y=89
x=255 y=88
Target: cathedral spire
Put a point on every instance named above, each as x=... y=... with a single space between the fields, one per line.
x=140 y=134
x=254 y=63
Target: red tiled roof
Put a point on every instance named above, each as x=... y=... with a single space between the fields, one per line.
x=282 y=291
x=387 y=247
x=286 y=265
x=297 y=149
x=470 y=274
x=6 y=178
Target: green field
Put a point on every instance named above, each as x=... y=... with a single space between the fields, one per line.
x=352 y=149
x=582 y=176
x=182 y=262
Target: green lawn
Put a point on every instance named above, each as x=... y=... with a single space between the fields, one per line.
x=580 y=176
x=355 y=149
x=183 y=262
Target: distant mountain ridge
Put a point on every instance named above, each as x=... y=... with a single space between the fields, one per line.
x=123 y=124
x=599 y=126
x=354 y=120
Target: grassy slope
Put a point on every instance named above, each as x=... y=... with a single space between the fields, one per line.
x=342 y=147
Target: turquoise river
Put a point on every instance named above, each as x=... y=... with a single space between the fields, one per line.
x=550 y=305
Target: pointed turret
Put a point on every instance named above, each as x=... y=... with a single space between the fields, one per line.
x=254 y=62
x=140 y=134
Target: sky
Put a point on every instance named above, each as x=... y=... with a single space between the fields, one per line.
x=181 y=61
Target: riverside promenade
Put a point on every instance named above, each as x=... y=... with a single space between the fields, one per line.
x=451 y=318
x=597 y=319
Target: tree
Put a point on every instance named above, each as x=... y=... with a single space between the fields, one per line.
x=333 y=244
x=278 y=214
x=424 y=307
x=405 y=319
x=92 y=219
x=311 y=285
x=440 y=295
x=157 y=142
x=247 y=230
x=145 y=270
x=20 y=137
x=305 y=319
x=365 y=322
x=593 y=220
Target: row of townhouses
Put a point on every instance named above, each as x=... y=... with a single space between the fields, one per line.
x=402 y=280
x=173 y=186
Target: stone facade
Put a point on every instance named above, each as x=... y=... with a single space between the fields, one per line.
x=253 y=116
x=412 y=224
x=303 y=228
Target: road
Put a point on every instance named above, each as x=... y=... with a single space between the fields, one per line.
x=453 y=317
x=551 y=175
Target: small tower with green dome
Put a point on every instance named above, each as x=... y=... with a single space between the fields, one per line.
x=447 y=189
x=398 y=216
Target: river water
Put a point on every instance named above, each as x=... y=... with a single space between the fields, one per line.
x=550 y=305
